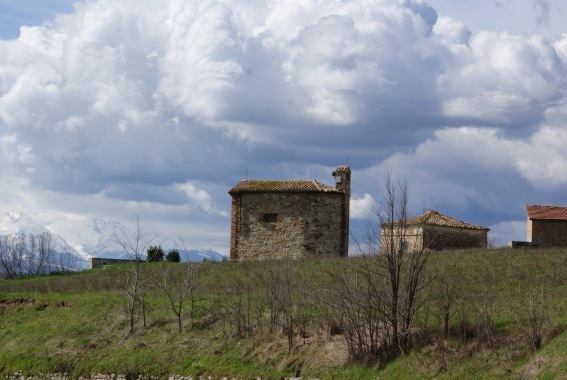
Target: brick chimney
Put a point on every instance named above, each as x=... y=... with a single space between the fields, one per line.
x=342 y=179
x=342 y=183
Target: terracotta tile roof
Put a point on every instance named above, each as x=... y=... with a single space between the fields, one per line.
x=277 y=186
x=432 y=217
x=547 y=212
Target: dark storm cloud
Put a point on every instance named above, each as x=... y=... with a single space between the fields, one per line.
x=166 y=106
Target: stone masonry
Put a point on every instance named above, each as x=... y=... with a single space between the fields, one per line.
x=290 y=219
x=432 y=231
x=95 y=262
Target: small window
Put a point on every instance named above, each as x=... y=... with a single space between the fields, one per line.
x=270 y=218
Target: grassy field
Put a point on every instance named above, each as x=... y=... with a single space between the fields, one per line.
x=484 y=315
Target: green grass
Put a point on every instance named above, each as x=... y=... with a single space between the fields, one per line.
x=77 y=323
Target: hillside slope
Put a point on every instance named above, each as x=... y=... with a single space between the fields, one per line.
x=485 y=314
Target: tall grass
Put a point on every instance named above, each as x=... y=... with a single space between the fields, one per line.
x=484 y=313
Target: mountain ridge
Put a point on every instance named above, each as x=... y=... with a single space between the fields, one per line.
x=84 y=239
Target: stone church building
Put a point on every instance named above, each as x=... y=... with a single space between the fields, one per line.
x=547 y=225
x=290 y=218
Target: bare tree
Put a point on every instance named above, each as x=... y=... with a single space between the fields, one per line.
x=278 y=287
x=12 y=256
x=134 y=246
x=403 y=263
x=191 y=284
x=179 y=288
x=286 y=299
x=538 y=312
x=25 y=255
x=446 y=297
x=41 y=252
x=238 y=306
x=269 y=281
x=356 y=302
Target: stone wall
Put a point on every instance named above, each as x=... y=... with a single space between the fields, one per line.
x=412 y=238
x=95 y=262
x=521 y=244
x=441 y=238
x=548 y=233
x=435 y=238
x=292 y=225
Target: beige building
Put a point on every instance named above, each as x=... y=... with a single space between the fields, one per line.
x=433 y=231
x=547 y=225
x=296 y=218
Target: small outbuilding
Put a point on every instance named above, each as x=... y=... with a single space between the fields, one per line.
x=290 y=218
x=547 y=225
x=432 y=231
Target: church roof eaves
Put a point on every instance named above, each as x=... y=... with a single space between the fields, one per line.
x=434 y=218
x=281 y=186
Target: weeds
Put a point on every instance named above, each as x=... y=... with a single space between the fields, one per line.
x=485 y=311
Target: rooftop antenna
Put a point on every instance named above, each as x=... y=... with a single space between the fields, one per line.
x=246 y=172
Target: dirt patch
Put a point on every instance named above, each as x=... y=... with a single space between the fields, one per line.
x=17 y=301
x=10 y=303
x=534 y=367
x=63 y=304
x=42 y=306
x=7 y=304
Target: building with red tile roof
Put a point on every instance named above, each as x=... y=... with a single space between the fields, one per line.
x=290 y=218
x=547 y=225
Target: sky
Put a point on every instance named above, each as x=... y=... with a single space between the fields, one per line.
x=113 y=109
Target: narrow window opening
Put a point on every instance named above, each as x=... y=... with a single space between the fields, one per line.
x=270 y=218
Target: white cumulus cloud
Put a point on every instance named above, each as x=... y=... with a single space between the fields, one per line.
x=362 y=208
x=164 y=106
x=200 y=198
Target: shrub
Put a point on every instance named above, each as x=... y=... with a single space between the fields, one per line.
x=155 y=254
x=173 y=256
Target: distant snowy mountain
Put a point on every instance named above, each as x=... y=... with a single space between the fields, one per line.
x=92 y=238
x=201 y=255
x=18 y=223
x=97 y=238
x=84 y=239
